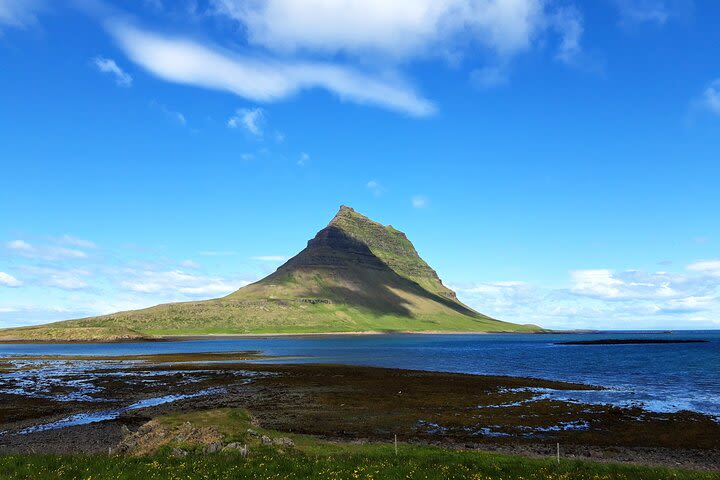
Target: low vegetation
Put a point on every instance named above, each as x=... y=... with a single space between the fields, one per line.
x=305 y=457
x=373 y=462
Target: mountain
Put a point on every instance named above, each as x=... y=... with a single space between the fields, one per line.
x=355 y=275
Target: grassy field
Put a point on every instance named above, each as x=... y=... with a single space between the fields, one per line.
x=216 y=317
x=366 y=462
x=308 y=457
x=153 y=455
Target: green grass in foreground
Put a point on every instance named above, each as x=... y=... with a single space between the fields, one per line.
x=370 y=462
x=314 y=458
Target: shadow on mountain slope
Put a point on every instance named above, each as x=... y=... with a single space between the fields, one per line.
x=343 y=270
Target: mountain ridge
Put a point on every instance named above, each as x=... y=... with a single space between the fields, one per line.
x=354 y=275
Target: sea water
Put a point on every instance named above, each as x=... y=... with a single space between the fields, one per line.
x=658 y=377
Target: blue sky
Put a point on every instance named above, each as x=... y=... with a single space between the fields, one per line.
x=555 y=161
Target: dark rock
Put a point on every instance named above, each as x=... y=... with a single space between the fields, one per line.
x=213 y=447
x=178 y=453
x=283 y=442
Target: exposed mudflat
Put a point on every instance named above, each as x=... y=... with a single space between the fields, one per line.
x=81 y=405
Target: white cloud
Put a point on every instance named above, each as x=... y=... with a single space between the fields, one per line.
x=249 y=118
x=19 y=245
x=686 y=305
x=497 y=298
x=108 y=65
x=490 y=76
x=8 y=280
x=57 y=288
x=643 y=11
x=58 y=277
x=375 y=187
x=569 y=23
x=173 y=115
x=66 y=282
x=304 y=158
x=76 y=242
x=178 y=282
x=20 y=13
x=58 y=252
x=179 y=117
x=212 y=288
x=604 y=299
x=154 y=4
x=270 y=258
x=51 y=252
x=600 y=283
x=399 y=29
x=393 y=33
x=708 y=267
x=190 y=264
x=634 y=285
x=711 y=97
x=419 y=201
x=184 y=61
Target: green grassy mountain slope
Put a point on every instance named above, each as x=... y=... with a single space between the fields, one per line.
x=356 y=275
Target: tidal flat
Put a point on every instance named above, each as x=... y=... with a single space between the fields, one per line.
x=92 y=405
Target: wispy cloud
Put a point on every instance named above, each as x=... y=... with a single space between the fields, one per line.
x=569 y=23
x=401 y=29
x=178 y=282
x=108 y=65
x=375 y=187
x=605 y=284
x=606 y=299
x=711 y=97
x=20 y=13
x=46 y=252
x=394 y=33
x=57 y=276
x=19 y=246
x=190 y=264
x=184 y=61
x=76 y=242
x=66 y=283
x=270 y=258
x=657 y=12
x=635 y=285
x=251 y=119
x=173 y=115
x=56 y=286
x=304 y=159
x=708 y=267
x=8 y=280
x=490 y=76
x=419 y=201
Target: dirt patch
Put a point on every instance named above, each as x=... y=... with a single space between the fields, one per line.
x=375 y=403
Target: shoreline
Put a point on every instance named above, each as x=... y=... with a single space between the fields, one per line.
x=229 y=336
x=359 y=404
